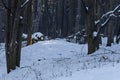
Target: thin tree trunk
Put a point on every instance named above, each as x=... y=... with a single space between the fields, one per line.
x=30 y=21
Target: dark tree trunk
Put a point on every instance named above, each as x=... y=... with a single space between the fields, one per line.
x=30 y=22
x=111 y=26
x=90 y=27
x=14 y=34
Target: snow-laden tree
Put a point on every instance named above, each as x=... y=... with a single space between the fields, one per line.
x=105 y=19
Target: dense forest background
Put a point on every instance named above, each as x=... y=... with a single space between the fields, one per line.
x=61 y=18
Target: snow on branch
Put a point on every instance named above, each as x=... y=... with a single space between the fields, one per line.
x=106 y=21
x=106 y=17
x=113 y=12
x=24 y=3
x=117 y=8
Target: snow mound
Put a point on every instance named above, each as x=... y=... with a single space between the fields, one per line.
x=61 y=60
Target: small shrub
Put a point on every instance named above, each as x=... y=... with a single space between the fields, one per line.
x=79 y=37
x=37 y=37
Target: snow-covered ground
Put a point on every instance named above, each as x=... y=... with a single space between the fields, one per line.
x=61 y=60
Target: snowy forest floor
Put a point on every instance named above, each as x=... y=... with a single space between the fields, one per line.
x=61 y=60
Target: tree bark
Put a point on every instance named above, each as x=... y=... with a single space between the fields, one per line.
x=90 y=26
x=30 y=22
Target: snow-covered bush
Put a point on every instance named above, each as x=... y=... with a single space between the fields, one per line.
x=37 y=36
x=79 y=37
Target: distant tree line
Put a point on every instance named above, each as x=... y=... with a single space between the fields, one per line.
x=62 y=18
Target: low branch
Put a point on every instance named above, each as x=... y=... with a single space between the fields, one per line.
x=102 y=26
x=106 y=18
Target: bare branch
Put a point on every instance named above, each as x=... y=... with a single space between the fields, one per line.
x=24 y=3
x=106 y=21
x=118 y=2
x=6 y=6
x=84 y=5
